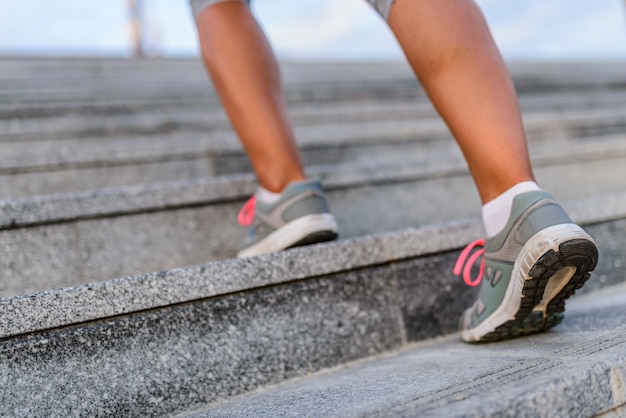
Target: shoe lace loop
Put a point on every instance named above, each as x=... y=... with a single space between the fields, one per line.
x=469 y=260
x=246 y=214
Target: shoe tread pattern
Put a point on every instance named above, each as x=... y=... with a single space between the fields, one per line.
x=580 y=253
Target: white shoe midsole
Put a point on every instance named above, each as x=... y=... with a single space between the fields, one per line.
x=291 y=233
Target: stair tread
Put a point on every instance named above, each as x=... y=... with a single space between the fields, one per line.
x=573 y=370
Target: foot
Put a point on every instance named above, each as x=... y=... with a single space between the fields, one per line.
x=527 y=272
x=299 y=217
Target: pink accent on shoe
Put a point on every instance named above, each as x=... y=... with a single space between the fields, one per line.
x=246 y=214
x=463 y=259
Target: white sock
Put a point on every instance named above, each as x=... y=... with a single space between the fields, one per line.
x=496 y=212
x=266 y=196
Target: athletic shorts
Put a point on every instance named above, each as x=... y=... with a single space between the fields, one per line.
x=197 y=6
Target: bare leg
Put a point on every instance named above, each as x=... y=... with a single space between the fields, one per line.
x=246 y=77
x=450 y=48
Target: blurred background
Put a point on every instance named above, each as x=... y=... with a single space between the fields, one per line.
x=303 y=30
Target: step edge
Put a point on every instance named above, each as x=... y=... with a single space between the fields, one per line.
x=73 y=305
x=152 y=197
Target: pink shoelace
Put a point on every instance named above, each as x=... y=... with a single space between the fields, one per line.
x=246 y=214
x=469 y=260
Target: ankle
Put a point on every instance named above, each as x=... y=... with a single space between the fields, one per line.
x=276 y=184
x=265 y=196
x=497 y=211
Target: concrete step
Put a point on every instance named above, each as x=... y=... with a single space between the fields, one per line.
x=33 y=124
x=46 y=167
x=106 y=81
x=179 y=340
x=62 y=240
x=577 y=369
x=569 y=75
x=298 y=104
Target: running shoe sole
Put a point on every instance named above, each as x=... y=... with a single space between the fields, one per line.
x=552 y=265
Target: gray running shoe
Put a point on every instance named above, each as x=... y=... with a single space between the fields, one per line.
x=299 y=217
x=528 y=271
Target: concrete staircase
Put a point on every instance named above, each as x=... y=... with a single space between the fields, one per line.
x=121 y=181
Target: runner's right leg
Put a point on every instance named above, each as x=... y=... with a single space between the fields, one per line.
x=535 y=257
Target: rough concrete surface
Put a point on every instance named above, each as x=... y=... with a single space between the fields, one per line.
x=165 y=360
x=577 y=369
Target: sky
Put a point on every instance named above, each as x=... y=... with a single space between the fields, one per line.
x=309 y=29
